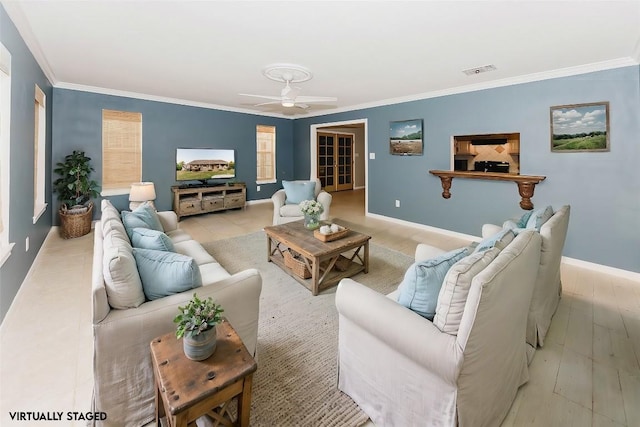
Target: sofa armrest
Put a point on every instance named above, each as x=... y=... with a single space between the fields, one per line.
x=239 y=296
x=278 y=199
x=425 y=252
x=490 y=230
x=169 y=220
x=399 y=328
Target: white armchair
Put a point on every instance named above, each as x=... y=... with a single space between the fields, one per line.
x=402 y=370
x=548 y=288
x=283 y=212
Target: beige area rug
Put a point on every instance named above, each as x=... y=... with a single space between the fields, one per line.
x=296 y=380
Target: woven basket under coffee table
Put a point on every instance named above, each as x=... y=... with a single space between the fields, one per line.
x=329 y=262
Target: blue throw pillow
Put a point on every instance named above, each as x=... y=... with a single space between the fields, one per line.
x=166 y=273
x=146 y=238
x=539 y=217
x=297 y=191
x=499 y=240
x=421 y=285
x=522 y=222
x=144 y=216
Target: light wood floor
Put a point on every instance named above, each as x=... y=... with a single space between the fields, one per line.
x=588 y=373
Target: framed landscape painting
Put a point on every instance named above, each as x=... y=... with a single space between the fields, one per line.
x=580 y=127
x=405 y=138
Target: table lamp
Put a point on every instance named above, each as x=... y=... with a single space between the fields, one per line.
x=141 y=192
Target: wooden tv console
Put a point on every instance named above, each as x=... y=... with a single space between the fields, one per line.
x=208 y=198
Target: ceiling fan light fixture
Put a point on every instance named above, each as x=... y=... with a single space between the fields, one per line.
x=288 y=103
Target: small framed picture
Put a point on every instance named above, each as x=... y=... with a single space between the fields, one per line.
x=405 y=138
x=580 y=127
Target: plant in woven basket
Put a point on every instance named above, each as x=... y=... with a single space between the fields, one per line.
x=75 y=188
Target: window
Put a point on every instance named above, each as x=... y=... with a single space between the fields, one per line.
x=5 y=121
x=39 y=170
x=266 y=154
x=121 y=151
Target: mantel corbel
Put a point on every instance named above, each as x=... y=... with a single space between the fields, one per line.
x=526 y=183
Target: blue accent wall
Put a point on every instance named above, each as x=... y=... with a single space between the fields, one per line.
x=165 y=127
x=603 y=188
x=25 y=74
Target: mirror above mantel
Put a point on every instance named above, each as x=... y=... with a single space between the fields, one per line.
x=495 y=153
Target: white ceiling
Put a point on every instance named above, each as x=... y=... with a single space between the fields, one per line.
x=363 y=52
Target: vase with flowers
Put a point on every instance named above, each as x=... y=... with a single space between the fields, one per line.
x=312 y=210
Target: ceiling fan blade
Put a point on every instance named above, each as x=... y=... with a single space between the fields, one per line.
x=303 y=106
x=275 y=98
x=267 y=103
x=316 y=99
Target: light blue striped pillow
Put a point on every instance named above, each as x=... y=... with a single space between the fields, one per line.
x=421 y=285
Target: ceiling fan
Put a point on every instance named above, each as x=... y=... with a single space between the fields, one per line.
x=289 y=95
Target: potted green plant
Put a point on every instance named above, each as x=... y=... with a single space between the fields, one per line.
x=75 y=190
x=197 y=327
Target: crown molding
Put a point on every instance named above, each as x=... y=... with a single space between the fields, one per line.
x=527 y=78
x=147 y=97
x=21 y=23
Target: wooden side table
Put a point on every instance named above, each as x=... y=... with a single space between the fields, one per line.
x=186 y=389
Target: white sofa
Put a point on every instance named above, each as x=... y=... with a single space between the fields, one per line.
x=465 y=367
x=283 y=212
x=123 y=376
x=548 y=288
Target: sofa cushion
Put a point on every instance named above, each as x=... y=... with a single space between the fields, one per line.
x=213 y=272
x=455 y=288
x=121 y=278
x=195 y=250
x=297 y=191
x=144 y=216
x=146 y=238
x=422 y=282
x=290 y=211
x=499 y=240
x=178 y=235
x=539 y=217
x=166 y=273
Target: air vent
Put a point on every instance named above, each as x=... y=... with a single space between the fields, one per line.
x=478 y=70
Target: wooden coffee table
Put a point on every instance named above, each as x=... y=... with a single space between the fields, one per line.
x=328 y=262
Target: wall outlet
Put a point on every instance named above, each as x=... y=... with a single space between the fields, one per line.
x=258 y=188
x=26 y=244
x=372 y=156
x=397 y=203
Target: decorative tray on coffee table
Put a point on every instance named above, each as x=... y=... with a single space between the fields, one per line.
x=331 y=236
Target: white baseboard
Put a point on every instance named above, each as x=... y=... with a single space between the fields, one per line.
x=618 y=272
x=257 y=202
x=425 y=227
x=613 y=271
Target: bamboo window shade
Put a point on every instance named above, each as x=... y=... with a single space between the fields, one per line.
x=266 y=152
x=121 y=149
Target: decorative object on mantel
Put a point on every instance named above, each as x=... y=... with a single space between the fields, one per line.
x=405 y=138
x=197 y=327
x=526 y=183
x=75 y=190
x=580 y=127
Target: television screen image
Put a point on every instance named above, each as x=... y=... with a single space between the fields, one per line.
x=202 y=164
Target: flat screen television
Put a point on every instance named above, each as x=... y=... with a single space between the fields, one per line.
x=204 y=164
